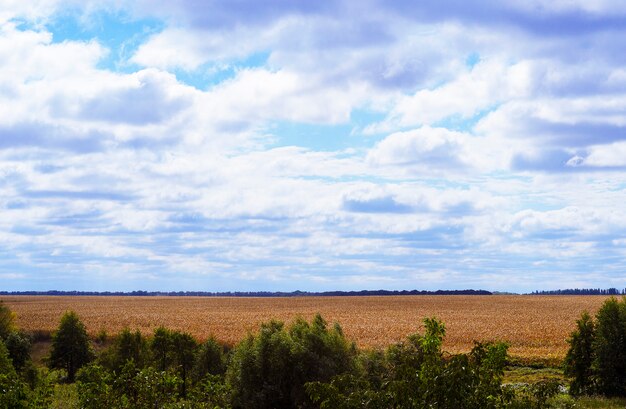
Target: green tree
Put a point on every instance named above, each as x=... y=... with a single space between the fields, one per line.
x=210 y=360
x=161 y=346
x=269 y=370
x=609 y=364
x=6 y=365
x=70 y=345
x=184 y=357
x=7 y=321
x=415 y=374
x=127 y=346
x=580 y=356
x=18 y=345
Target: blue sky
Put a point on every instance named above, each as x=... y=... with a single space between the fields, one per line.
x=285 y=145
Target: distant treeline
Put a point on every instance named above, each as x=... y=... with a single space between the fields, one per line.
x=583 y=291
x=247 y=293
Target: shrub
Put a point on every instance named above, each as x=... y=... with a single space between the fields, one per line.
x=7 y=321
x=210 y=360
x=416 y=375
x=596 y=360
x=127 y=346
x=580 y=357
x=130 y=387
x=6 y=365
x=18 y=345
x=70 y=346
x=269 y=370
x=14 y=392
x=161 y=347
x=609 y=347
x=184 y=348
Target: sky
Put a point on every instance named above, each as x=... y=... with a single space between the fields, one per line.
x=286 y=145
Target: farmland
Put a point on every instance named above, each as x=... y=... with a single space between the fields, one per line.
x=535 y=326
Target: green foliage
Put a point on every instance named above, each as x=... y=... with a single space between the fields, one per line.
x=18 y=345
x=15 y=393
x=174 y=350
x=416 y=375
x=70 y=345
x=94 y=387
x=127 y=346
x=596 y=360
x=131 y=387
x=212 y=392
x=65 y=397
x=6 y=365
x=580 y=356
x=269 y=370
x=210 y=360
x=609 y=363
x=7 y=321
x=184 y=357
x=161 y=347
x=535 y=396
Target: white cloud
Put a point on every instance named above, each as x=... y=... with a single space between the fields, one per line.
x=487 y=84
x=423 y=150
x=140 y=173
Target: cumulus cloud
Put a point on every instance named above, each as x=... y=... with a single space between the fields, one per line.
x=449 y=144
x=422 y=150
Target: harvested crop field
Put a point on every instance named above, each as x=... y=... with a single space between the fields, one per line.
x=535 y=326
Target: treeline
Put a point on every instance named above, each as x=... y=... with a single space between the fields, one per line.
x=247 y=293
x=303 y=365
x=582 y=291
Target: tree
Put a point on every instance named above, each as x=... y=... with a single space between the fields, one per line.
x=269 y=370
x=210 y=360
x=580 y=357
x=7 y=321
x=415 y=374
x=129 y=346
x=184 y=355
x=161 y=347
x=596 y=360
x=609 y=345
x=70 y=345
x=6 y=365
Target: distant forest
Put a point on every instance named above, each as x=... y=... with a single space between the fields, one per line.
x=583 y=291
x=568 y=291
x=248 y=293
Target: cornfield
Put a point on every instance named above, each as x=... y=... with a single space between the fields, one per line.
x=536 y=327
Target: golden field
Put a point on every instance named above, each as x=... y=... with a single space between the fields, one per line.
x=536 y=327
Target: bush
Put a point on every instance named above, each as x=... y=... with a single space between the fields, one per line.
x=18 y=345
x=210 y=360
x=7 y=321
x=130 y=387
x=416 y=375
x=162 y=347
x=70 y=346
x=580 y=357
x=596 y=360
x=6 y=365
x=14 y=392
x=127 y=346
x=269 y=370
x=609 y=348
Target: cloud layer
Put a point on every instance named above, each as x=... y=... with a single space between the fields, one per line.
x=329 y=145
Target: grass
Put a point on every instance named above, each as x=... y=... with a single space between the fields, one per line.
x=597 y=402
x=533 y=375
x=65 y=397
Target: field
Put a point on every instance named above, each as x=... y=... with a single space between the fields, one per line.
x=536 y=327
